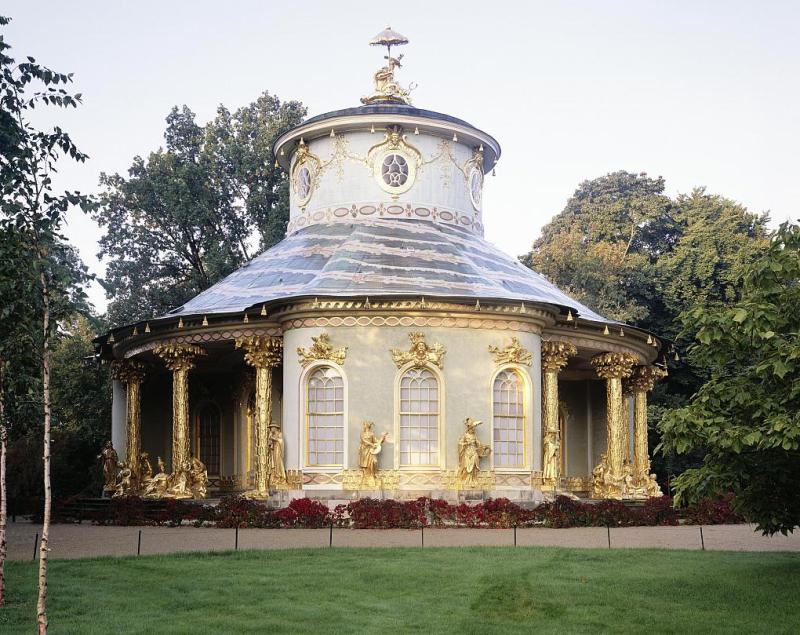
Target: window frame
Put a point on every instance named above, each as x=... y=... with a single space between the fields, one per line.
x=527 y=416
x=304 y=418
x=439 y=465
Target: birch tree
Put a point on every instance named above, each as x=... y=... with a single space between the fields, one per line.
x=31 y=208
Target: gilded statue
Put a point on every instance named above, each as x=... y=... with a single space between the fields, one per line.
x=275 y=467
x=386 y=88
x=199 y=478
x=145 y=471
x=124 y=481
x=159 y=484
x=628 y=486
x=470 y=453
x=180 y=483
x=368 y=451
x=550 y=458
x=109 y=458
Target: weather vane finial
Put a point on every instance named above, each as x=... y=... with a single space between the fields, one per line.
x=388 y=91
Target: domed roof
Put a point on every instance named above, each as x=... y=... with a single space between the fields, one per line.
x=381 y=257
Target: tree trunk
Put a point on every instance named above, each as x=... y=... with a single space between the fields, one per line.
x=41 y=615
x=3 y=505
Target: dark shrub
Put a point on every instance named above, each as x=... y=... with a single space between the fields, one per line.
x=713 y=511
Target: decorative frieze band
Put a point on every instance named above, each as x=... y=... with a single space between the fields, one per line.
x=356 y=212
x=409 y=321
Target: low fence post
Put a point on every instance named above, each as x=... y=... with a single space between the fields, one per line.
x=515 y=535
x=236 y=543
x=702 y=540
x=330 y=536
x=422 y=535
x=608 y=530
x=139 y=544
x=35 y=545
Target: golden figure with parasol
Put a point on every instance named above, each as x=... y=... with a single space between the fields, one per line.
x=387 y=90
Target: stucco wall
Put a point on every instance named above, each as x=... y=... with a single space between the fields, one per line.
x=371 y=377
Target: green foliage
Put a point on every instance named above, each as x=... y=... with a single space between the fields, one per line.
x=185 y=217
x=628 y=251
x=36 y=262
x=600 y=246
x=747 y=415
x=404 y=590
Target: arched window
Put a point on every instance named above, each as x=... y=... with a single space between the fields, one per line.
x=508 y=419
x=325 y=417
x=419 y=418
x=208 y=438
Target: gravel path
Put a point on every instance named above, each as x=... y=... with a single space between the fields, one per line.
x=83 y=541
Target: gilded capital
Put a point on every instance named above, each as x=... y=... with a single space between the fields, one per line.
x=514 y=353
x=128 y=370
x=261 y=351
x=555 y=355
x=613 y=365
x=321 y=349
x=178 y=356
x=644 y=378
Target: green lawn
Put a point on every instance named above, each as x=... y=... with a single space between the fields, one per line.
x=477 y=590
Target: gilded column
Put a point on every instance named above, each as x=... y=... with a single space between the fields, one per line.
x=262 y=353
x=555 y=356
x=614 y=367
x=132 y=374
x=180 y=359
x=641 y=382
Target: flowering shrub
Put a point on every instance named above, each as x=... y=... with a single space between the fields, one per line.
x=367 y=513
x=126 y=510
x=237 y=511
x=713 y=511
x=304 y=512
x=658 y=511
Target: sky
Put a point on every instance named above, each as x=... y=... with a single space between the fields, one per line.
x=702 y=93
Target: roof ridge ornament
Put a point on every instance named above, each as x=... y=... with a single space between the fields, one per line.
x=387 y=90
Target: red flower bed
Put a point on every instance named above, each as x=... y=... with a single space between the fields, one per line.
x=367 y=513
x=713 y=511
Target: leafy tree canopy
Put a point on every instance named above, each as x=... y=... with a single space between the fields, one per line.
x=195 y=210
x=630 y=252
x=747 y=416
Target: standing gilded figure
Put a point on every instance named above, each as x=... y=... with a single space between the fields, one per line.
x=368 y=451
x=275 y=465
x=470 y=453
x=109 y=458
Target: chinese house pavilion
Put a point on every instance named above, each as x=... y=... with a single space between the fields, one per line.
x=384 y=345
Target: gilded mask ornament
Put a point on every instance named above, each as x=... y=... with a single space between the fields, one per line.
x=514 y=353
x=420 y=354
x=321 y=349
